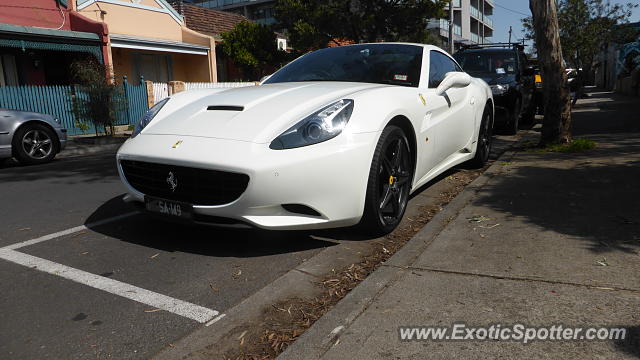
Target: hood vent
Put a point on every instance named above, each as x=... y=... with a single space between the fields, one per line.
x=225 y=107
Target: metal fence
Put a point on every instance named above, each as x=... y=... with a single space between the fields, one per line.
x=59 y=101
x=160 y=91
x=216 y=85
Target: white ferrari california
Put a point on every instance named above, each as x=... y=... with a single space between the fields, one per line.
x=340 y=136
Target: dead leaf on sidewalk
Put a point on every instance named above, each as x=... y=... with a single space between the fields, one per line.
x=602 y=262
x=478 y=218
x=24 y=229
x=489 y=226
x=152 y=310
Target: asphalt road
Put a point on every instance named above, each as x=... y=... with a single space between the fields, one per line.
x=69 y=297
x=47 y=316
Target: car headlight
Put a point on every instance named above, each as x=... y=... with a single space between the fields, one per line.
x=148 y=116
x=320 y=126
x=499 y=89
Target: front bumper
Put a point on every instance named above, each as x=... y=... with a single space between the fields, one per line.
x=330 y=177
x=62 y=137
x=504 y=106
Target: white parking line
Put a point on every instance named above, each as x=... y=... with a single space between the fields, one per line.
x=67 y=232
x=159 y=301
x=179 y=307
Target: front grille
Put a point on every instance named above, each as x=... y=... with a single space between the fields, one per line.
x=192 y=185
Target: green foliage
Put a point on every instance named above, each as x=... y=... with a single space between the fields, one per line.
x=585 y=25
x=83 y=126
x=253 y=47
x=313 y=24
x=97 y=100
x=575 y=146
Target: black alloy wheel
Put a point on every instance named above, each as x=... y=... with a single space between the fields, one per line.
x=389 y=182
x=514 y=120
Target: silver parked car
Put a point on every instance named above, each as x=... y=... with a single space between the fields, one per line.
x=31 y=138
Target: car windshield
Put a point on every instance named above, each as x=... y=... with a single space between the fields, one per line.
x=498 y=63
x=396 y=64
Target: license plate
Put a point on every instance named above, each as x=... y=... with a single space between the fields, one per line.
x=169 y=207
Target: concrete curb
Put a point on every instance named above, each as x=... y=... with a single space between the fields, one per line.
x=74 y=149
x=324 y=333
x=300 y=281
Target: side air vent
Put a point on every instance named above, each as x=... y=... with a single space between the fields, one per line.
x=225 y=108
x=300 y=209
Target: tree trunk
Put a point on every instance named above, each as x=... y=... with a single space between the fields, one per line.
x=556 y=126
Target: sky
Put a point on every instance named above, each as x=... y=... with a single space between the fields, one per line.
x=503 y=18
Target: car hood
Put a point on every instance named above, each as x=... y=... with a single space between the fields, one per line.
x=494 y=79
x=254 y=114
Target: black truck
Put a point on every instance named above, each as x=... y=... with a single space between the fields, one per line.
x=504 y=66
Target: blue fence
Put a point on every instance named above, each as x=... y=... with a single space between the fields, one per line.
x=59 y=101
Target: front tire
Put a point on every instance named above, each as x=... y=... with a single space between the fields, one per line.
x=514 y=120
x=389 y=183
x=34 y=144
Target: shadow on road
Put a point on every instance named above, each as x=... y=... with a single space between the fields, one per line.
x=96 y=168
x=153 y=232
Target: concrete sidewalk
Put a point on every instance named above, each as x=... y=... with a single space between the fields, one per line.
x=540 y=239
x=89 y=145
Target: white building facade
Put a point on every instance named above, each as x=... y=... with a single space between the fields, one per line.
x=472 y=22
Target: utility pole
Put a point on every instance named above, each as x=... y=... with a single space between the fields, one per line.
x=451 y=47
x=510 y=31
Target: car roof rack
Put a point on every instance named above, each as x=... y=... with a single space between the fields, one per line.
x=519 y=46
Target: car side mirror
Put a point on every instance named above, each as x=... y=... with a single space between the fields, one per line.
x=453 y=79
x=265 y=78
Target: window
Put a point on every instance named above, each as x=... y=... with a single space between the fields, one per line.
x=488 y=62
x=156 y=68
x=439 y=65
x=395 y=64
x=8 y=70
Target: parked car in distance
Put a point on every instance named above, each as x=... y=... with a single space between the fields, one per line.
x=339 y=137
x=504 y=66
x=29 y=137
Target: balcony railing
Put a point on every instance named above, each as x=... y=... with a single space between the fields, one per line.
x=443 y=24
x=474 y=12
x=474 y=38
x=457 y=29
x=487 y=20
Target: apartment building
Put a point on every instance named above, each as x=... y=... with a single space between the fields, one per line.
x=472 y=23
x=260 y=11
